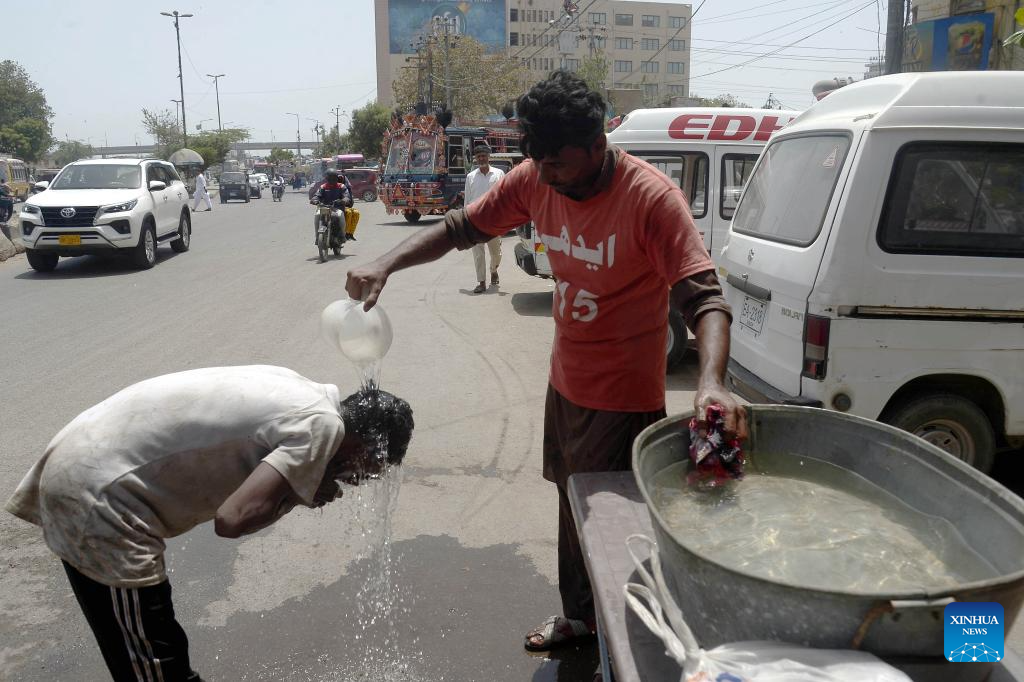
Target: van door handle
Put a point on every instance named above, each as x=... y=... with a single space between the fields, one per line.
x=745 y=285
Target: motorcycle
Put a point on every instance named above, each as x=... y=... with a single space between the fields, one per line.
x=277 y=190
x=330 y=228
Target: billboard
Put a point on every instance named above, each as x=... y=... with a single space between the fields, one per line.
x=955 y=44
x=483 y=20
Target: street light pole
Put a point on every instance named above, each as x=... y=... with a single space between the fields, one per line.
x=298 y=137
x=181 y=80
x=316 y=129
x=216 y=86
x=337 y=111
x=177 y=107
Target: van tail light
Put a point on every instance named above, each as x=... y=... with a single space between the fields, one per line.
x=815 y=346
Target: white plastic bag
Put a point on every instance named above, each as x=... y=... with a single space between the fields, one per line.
x=741 y=661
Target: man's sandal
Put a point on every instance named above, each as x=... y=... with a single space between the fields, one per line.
x=556 y=631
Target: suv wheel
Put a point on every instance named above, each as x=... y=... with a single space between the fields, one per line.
x=41 y=261
x=180 y=245
x=369 y=195
x=144 y=254
x=954 y=424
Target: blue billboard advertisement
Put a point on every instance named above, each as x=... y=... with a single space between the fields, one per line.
x=483 y=20
x=954 y=44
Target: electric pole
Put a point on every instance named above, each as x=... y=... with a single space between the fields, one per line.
x=181 y=81
x=298 y=138
x=177 y=116
x=894 y=38
x=337 y=118
x=216 y=87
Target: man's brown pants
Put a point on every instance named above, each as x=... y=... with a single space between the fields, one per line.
x=580 y=440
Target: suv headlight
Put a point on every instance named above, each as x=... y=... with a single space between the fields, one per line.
x=29 y=208
x=119 y=208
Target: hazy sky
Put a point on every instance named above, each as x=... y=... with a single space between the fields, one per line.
x=100 y=62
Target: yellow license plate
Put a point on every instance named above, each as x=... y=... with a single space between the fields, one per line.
x=69 y=240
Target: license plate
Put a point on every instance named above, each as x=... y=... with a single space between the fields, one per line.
x=69 y=240
x=752 y=313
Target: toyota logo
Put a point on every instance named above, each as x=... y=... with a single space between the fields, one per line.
x=67 y=212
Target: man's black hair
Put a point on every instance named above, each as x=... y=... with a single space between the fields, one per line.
x=481 y=147
x=376 y=416
x=558 y=112
x=334 y=173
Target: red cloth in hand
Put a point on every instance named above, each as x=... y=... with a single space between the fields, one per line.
x=716 y=459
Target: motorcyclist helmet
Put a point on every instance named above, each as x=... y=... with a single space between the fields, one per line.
x=332 y=177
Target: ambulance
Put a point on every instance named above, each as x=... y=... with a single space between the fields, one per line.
x=708 y=153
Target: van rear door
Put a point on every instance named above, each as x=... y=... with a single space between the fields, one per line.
x=775 y=247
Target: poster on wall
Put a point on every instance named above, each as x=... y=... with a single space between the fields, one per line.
x=955 y=44
x=483 y=20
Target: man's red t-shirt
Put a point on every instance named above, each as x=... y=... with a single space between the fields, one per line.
x=614 y=257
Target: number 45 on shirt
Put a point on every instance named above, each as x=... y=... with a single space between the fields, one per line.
x=584 y=305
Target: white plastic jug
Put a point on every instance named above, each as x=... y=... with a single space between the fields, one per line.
x=362 y=337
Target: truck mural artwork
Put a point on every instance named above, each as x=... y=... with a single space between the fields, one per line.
x=426 y=162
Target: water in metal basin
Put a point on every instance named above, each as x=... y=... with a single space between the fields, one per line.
x=813 y=524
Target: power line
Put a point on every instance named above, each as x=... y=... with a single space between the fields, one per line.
x=266 y=92
x=802 y=47
x=560 y=32
x=768 y=54
x=722 y=17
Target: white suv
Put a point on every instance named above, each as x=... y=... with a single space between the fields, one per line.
x=104 y=207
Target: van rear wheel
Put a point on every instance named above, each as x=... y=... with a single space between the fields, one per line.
x=675 y=344
x=951 y=422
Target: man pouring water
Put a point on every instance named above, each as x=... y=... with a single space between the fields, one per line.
x=623 y=247
x=241 y=446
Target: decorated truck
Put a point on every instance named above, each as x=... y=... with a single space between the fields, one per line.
x=426 y=162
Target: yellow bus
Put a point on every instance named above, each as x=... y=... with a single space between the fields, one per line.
x=15 y=172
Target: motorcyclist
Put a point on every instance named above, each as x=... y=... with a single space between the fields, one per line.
x=278 y=185
x=6 y=200
x=332 y=190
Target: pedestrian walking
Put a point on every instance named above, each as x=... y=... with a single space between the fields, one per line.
x=623 y=247
x=242 y=446
x=479 y=180
x=201 y=193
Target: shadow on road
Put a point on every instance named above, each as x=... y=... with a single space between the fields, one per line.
x=491 y=291
x=533 y=304
x=420 y=223
x=316 y=259
x=573 y=664
x=87 y=267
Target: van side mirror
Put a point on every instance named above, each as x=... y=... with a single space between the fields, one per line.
x=157 y=185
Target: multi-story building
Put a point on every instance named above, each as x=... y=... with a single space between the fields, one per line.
x=961 y=35
x=646 y=44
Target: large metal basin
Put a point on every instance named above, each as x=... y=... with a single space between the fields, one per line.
x=722 y=604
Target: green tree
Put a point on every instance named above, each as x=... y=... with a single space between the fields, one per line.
x=481 y=82
x=725 y=100
x=24 y=114
x=366 y=132
x=335 y=143
x=165 y=131
x=214 y=145
x=71 y=151
x=594 y=70
x=277 y=155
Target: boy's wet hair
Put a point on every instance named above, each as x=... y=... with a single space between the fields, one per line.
x=377 y=416
x=558 y=112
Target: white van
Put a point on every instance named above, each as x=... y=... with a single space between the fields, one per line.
x=875 y=264
x=709 y=152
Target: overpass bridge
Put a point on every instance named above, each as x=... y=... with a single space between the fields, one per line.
x=237 y=146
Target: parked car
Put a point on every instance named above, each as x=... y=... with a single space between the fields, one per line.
x=109 y=206
x=264 y=180
x=875 y=262
x=234 y=185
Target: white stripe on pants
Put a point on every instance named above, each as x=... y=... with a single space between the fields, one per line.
x=205 y=196
x=494 y=246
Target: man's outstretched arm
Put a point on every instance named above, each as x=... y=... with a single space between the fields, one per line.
x=262 y=499
x=366 y=282
x=700 y=300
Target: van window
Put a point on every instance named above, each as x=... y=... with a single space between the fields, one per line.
x=956 y=199
x=735 y=171
x=789 y=193
x=689 y=170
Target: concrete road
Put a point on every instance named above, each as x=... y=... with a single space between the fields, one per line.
x=474 y=530
x=473 y=533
